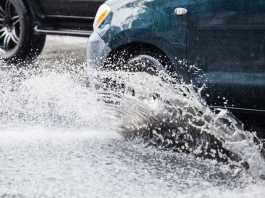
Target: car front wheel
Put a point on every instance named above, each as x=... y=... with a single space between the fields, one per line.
x=146 y=63
x=18 y=42
x=138 y=58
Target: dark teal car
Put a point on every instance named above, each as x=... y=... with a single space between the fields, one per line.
x=222 y=39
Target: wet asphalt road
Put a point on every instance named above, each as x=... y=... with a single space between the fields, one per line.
x=74 y=160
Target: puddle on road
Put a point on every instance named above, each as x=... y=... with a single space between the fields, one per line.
x=61 y=135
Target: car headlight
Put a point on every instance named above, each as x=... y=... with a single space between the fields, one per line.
x=102 y=13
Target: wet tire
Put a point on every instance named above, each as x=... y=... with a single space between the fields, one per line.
x=138 y=59
x=18 y=41
x=146 y=63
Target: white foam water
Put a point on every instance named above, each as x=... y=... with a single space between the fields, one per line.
x=173 y=116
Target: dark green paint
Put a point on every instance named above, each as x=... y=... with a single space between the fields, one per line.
x=224 y=38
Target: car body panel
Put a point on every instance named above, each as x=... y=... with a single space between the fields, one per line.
x=63 y=14
x=223 y=44
x=134 y=21
x=222 y=38
x=67 y=8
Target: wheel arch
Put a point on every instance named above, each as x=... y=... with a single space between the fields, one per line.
x=30 y=9
x=176 y=67
x=140 y=46
x=23 y=4
x=168 y=59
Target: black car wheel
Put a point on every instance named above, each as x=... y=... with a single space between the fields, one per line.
x=138 y=58
x=146 y=63
x=18 y=42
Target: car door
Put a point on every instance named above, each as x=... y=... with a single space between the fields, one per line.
x=67 y=8
x=48 y=7
x=83 y=8
x=255 y=65
x=218 y=43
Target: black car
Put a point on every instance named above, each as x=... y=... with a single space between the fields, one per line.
x=25 y=23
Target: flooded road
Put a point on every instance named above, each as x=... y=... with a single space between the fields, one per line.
x=59 y=138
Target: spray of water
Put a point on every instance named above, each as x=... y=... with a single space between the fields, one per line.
x=156 y=110
x=171 y=115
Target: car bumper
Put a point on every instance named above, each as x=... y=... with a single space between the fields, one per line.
x=97 y=51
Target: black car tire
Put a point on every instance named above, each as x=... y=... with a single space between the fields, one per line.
x=18 y=41
x=146 y=63
x=138 y=59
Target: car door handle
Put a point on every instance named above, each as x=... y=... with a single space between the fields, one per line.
x=181 y=11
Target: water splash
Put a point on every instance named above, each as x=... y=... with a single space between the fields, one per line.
x=49 y=99
x=156 y=110
x=173 y=116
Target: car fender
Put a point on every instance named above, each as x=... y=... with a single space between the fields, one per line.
x=21 y=4
x=151 y=22
x=30 y=8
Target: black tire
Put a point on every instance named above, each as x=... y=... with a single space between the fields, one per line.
x=138 y=59
x=146 y=63
x=18 y=41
